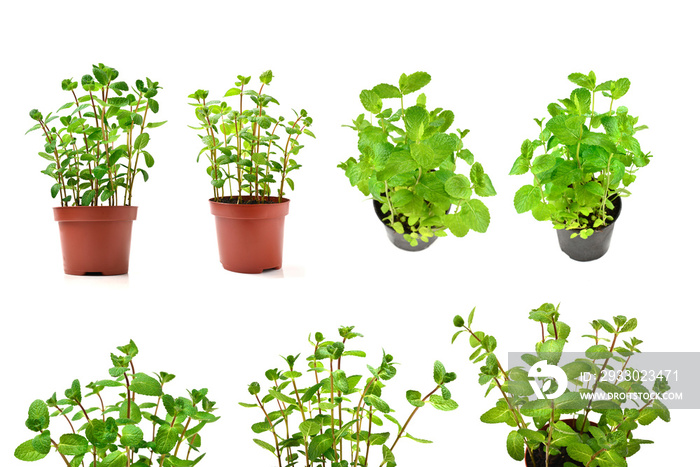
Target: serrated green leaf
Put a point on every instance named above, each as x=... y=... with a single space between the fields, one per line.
x=146 y=385
x=264 y=445
x=73 y=445
x=166 y=439
x=371 y=101
x=141 y=141
x=458 y=186
x=386 y=91
x=476 y=215
x=441 y=403
x=527 y=198
x=115 y=459
x=413 y=82
x=319 y=445
x=515 y=444
x=580 y=452
x=27 y=452
x=131 y=436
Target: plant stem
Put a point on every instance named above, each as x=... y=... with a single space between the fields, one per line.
x=84 y=411
x=212 y=151
x=360 y=407
x=129 y=147
x=101 y=124
x=332 y=409
x=136 y=162
x=66 y=417
x=516 y=414
x=601 y=451
x=128 y=397
x=182 y=437
x=549 y=436
x=606 y=174
x=272 y=427
x=87 y=151
x=238 y=147
x=59 y=452
x=542 y=326
x=403 y=428
x=102 y=404
x=283 y=410
x=595 y=385
x=303 y=416
x=358 y=427
x=155 y=413
x=369 y=435
x=286 y=161
x=62 y=190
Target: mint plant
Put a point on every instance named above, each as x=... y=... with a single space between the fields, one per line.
x=562 y=430
x=240 y=143
x=132 y=430
x=580 y=170
x=337 y=417
x=408 y=163
x=95 y=148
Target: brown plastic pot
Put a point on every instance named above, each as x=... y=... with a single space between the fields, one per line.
x=250 y=236
x=95 y=240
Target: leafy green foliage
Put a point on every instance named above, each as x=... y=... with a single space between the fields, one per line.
x=134 y=430
x=408 y=162
x=554 y=425
x=588 y=158
x=95 y=148
x=240 y=143
x=336 y=416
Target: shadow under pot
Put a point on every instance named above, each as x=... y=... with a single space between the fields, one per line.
x=560 y=460
x=596 y=245
x=95 y=240
x=250 y=235
x=396 y=238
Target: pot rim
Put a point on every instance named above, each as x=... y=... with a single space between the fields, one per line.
x=94 y=213
x=284 y=201
x=249 y=211
x=618 y=209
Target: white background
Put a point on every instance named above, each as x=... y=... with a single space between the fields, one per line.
x=495 y=64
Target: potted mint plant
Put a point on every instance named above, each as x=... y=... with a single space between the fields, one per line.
x=587 y=161
x=324 y=415
x=96 y=151
x=250 y=155
x=555 y=425
x=408 y=165
x=138 y=425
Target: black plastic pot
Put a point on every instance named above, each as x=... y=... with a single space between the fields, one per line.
x=397 y=238
x=593 y=247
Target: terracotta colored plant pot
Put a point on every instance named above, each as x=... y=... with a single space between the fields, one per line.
x=250 y=236
x=95 y=240
x=596 y=245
